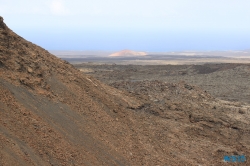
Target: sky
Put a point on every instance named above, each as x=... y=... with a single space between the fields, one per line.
x=141 y=25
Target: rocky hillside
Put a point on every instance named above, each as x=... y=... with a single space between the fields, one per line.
x=52 y=114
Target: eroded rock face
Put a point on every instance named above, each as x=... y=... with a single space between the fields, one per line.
x=52 y=114
x=2 y=25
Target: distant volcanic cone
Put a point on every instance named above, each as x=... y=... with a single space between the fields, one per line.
x=127 y=53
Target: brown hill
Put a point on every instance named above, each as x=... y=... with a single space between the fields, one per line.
x=127 y=53
x=52 y=114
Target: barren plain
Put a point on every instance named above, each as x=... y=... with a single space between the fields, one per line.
x=228 y=81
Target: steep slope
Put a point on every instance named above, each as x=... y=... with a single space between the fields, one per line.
x=52 y=114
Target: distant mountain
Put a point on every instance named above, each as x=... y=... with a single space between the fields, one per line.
x=126 y=53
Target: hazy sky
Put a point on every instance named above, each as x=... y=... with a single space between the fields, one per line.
x=142 y=25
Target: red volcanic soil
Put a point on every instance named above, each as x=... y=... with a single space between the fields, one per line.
x=127 y=53
x=52 y=114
